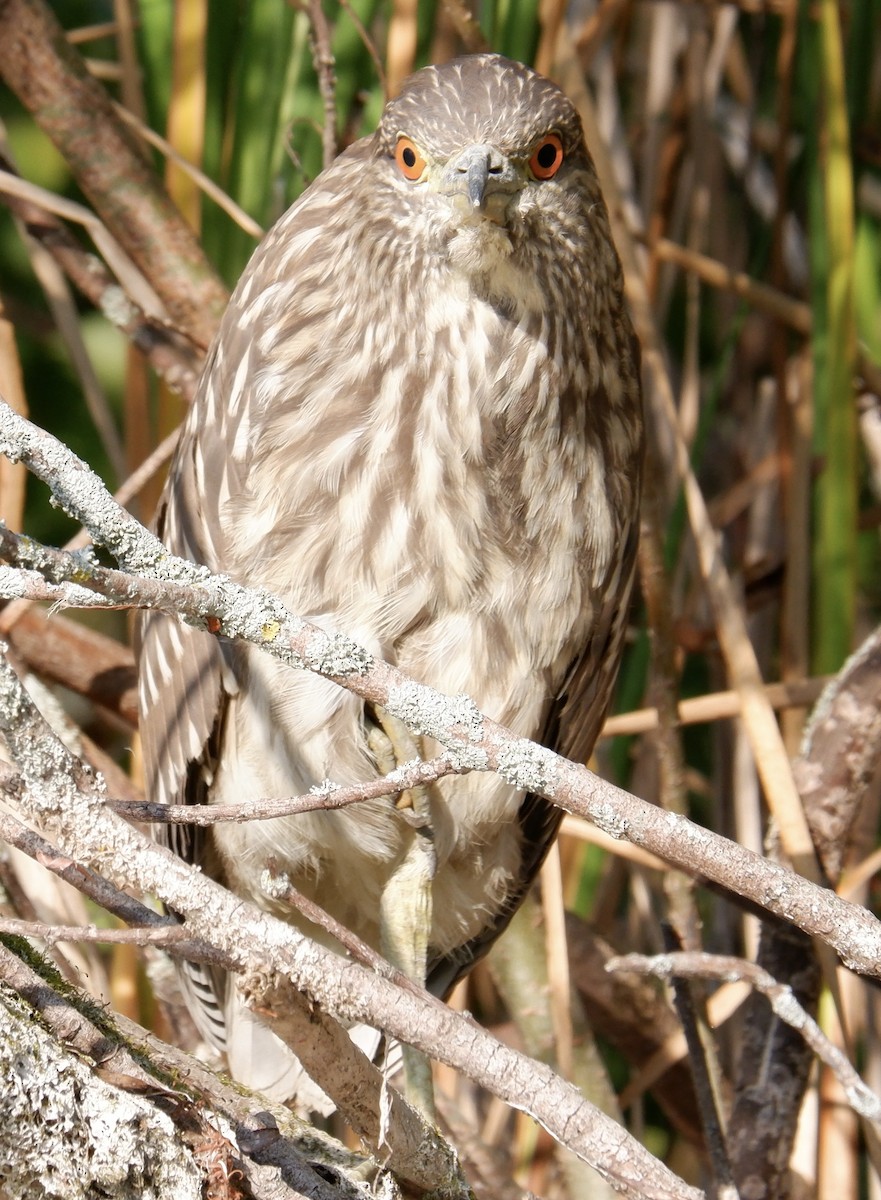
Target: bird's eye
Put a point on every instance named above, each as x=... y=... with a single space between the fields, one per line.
x=547 y=157
x=410 y=162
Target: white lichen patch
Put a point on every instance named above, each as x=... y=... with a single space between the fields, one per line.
x=326 y=788
x=608 y=819
x=274 y=884
x=65 y=1133
x=464 y=757
x=15 y=582
x=117 y=307
x=454 y=721
x=32 y=555
x=528 y=766
x=407 y=773
x=424 y=710
x=337 y=655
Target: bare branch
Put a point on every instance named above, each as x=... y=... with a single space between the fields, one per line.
x=322 y=57
x=172 y=937
x=50 y=79
x=329 y=796
x=689 y=965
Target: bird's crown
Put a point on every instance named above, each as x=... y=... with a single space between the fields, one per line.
x=479 y=98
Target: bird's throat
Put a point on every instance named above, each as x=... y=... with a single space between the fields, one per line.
x=484 y=257
x=479 y=247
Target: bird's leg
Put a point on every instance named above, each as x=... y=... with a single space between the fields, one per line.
x=380 y=744
x=405 y=913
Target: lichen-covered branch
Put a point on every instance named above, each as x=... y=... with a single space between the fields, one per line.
x=192 y=1118
x=67 y=801
x=66 y=1134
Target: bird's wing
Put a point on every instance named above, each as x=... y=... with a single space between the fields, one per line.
x=577 y=715
x=181 y=668
x=571 y=728
x=178 y=727
x=185 y=678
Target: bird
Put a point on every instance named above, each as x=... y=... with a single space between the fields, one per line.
x=420 y=424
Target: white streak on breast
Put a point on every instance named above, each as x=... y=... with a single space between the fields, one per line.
x=237 y=388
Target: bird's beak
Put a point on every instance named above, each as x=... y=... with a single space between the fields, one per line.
x=480 y=180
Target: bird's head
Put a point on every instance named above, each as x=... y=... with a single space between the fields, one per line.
x=479 y=148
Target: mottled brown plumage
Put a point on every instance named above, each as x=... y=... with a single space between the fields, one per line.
x=420 y=424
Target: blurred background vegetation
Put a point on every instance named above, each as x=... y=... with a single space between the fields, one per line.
x=740 y=145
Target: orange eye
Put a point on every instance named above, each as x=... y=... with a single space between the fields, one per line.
x=547 y=157
x=410 y=162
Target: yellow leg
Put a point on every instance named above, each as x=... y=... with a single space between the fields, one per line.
x=406 y=904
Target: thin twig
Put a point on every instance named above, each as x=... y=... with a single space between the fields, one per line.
x=207 y=185
x=328 y=797
x=138 y=479
x=325 y=64
x=283 y=890
x=368 y=43
x=172 y=937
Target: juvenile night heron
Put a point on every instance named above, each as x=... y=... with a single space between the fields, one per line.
x=420 y=424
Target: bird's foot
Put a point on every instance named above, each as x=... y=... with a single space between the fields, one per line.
x=392 y=745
